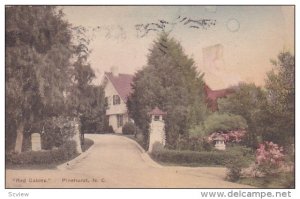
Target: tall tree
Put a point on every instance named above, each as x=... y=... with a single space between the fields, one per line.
x=280 y=85
x=45 y=65
x=93 y=113
x=248 y=101
x=270 y=113
x=171 y=82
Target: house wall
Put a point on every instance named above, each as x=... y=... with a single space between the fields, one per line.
x=113 y=110
x=110 y=91
x=114 y=123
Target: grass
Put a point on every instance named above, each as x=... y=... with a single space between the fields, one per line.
x=282 y=180
x=87 y=144
x=188 y=164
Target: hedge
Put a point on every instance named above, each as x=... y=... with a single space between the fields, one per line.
x=66 y=152
x=213 y=158
x=128 y=128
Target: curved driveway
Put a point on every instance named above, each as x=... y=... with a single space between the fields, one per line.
x=118 y=162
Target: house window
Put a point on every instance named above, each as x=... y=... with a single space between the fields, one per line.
x=156 y=117
x=116 y=100
x=119 y=120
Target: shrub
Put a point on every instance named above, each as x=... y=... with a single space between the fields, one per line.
x=66 y=152
x=219 y=122
x=232 y=136
x=56 y=131
x=269 y=158
x=197 y=131
x=193 y=144
x=87 y=144
x=234 y=168
x=211 y=158
x=109 y=129
x=157 y=146
x=140 y=138
x=129 y=128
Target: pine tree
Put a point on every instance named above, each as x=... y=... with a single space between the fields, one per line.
x=170 y=81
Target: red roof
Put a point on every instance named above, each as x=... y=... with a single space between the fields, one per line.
x=157 y=111
x=122 y=84
x=213 y=95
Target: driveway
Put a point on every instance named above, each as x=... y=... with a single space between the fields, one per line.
x=118 y=162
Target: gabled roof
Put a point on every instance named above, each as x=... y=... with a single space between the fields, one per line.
x=122 y=84
x=157 y=111
x=213 y=95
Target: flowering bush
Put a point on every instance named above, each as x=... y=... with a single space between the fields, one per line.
x=234 y=136
x=269 y=158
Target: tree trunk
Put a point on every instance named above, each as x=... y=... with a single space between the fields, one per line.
x=19 y=139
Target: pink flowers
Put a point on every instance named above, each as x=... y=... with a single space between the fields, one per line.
x=234 y=136
x=270 y=155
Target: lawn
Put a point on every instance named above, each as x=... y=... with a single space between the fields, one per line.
x=39 y=160
x=282 y=180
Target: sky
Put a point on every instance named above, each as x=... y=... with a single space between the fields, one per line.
x=243 y=40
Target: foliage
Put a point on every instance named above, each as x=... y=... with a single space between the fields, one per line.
x=87 y=144
x=46 y=68
x=157 y=146
x=280 y=85
x=171 y=82
x=234 y=169
x=193 y=144
x=223 y=122
x=208 y=158
x=269 y=158
x=235 y=136
x=248 y=101
x=56 y=131
x=38 y=49
x=140 y=138
x=219 y=122
x=66 y=152
x=282 y=180
x=197 y=131
x=235 y=166
x=109 y=129
x=129 y=128
x=93 y=113
x=270 y=113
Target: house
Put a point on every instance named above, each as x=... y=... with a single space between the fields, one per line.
x=212 y=96
x=117 y=88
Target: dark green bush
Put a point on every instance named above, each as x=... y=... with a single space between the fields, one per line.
x=87 y=144
x=140 y=138
x=57 y=130
x=212 y=158
x=218 y=122
x=235 y=166
x=109 y=129
x=66 y=152
x=157 y=147
x=129 y=128
x=193 y=144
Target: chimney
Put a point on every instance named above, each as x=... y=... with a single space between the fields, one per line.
x=114 y=70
